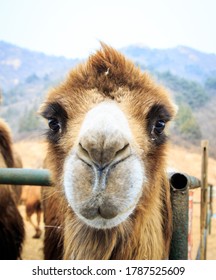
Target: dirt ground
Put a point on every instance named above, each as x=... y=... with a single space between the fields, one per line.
x=33 y=248
x=189 y=162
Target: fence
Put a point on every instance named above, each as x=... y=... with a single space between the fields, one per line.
x=180 y=185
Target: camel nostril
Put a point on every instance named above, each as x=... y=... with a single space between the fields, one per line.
x=82 y=148
x=102 y=153
x=122 y=150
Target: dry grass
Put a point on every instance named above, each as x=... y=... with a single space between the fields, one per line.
x=33 y=153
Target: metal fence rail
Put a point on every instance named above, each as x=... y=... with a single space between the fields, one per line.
x=41 y=177
x=180 y=183
x=24 y=176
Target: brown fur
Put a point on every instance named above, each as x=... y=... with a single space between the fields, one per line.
x=11 y=222
x=33 y=205
x=53 y=220
x=146 y=234
x=6 y=144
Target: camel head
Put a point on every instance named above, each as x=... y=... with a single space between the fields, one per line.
x=107 y=138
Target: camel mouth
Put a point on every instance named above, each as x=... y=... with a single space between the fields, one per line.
x=103 y=198
x=100 y=222
x=101 y=212
x=104 y=211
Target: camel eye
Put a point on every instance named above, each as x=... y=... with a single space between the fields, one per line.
x=159 y=126
x=54 y=125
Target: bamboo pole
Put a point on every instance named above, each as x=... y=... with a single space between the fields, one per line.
x=204 y=200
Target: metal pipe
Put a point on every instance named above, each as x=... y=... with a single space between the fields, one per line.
x=179 y=186
x=180 y=183
x=29 y=176
x=24 y=176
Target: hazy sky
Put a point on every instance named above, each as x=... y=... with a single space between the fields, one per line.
x=73 y=28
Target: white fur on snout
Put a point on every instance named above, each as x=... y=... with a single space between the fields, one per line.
x=132 y=192
x=106 y=118
x=69 y=178
x=121 y=182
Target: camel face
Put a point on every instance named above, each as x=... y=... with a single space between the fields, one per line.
x=103 y=173
x=106 y=152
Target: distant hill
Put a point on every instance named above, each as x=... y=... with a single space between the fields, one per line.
x=18 y=65
x=190 y=76
x=181 y=61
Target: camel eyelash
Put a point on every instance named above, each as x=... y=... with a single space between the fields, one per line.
x=55 y=110
x=157 y=129
x=157 y=118
x=57 y=120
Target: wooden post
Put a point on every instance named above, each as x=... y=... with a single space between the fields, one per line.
x=210 y=207
x=190 y=221
x=204 y=200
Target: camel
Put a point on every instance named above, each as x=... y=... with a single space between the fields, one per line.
x=33 y=206
x=107 y=145
x=12 y=230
